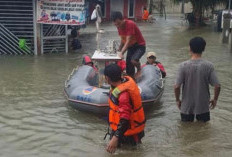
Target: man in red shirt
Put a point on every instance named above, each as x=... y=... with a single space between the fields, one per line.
x=132 y=41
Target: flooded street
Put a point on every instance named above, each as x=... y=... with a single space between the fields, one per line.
x=36 y=120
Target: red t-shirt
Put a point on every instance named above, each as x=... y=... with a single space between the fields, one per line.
x=131 y=29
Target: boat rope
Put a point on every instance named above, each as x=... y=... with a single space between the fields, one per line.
x=69 y=76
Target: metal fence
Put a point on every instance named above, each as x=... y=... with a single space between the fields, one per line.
x=17 y=23
x=10 y=44
x=53 y=38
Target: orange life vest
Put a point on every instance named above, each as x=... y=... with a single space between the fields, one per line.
x=145 y=15
x=137 y=119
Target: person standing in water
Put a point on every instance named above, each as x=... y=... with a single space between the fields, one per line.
x=194 y=76
x=145 y=14
x=126 y=114
x=99 y=17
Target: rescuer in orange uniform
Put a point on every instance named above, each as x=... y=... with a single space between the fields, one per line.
x=126 y=115
x=145 y=14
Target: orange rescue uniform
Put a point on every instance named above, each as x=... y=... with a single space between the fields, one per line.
x=145 y=15
x=137 y=119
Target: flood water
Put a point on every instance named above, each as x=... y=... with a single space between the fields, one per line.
x=36 y=120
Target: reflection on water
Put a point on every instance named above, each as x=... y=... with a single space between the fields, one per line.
x=35 y=119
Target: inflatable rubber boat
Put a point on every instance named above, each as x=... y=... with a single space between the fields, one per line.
x=84 y=93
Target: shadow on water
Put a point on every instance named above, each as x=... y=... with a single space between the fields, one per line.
x=85 y=117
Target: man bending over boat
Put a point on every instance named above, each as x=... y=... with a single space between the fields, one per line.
x=126 y=115
x=132 y=41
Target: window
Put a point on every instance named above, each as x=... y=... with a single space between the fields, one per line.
x=131 y=8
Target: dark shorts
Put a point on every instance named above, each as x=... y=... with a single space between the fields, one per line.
x=204 y=117
x=134 y=53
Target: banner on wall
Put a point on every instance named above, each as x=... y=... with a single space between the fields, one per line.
x=62 y=12
x=225 y=12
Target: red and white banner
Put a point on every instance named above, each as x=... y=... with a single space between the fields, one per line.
x=63 y=12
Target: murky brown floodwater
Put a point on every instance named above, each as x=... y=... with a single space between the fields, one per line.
x=35 y=119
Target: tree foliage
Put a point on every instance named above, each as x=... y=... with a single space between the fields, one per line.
x=200 y=5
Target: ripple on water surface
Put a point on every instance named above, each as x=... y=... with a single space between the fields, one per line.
x=35 y=119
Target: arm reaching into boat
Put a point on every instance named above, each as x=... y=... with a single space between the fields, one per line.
x=125 y=46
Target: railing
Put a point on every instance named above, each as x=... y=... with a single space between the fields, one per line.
x=53 y=38
x=9 y=43
x=16 y=22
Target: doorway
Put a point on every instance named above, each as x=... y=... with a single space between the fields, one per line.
x=131 y=8
x=116 y=5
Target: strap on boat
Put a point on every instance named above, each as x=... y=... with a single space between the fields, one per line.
x=107 y=133
x=106 y=93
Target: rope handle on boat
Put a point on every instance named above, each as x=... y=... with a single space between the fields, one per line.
x=162 y=83
x=162 y=80
x=65 y=84
x=69 y=76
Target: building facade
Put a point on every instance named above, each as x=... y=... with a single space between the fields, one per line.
x=131 y=9
x=21 y=34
